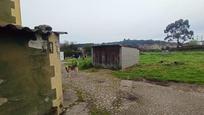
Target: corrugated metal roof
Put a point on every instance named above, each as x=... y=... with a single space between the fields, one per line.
x=112 y=45
x=108 y=45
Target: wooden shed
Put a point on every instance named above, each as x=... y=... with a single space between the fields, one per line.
x=114 y=56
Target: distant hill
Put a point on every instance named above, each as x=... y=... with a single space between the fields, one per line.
x=137 y=43
x=128 y=42
x=143 y=45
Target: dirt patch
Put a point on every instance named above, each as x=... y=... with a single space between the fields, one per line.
x=131 y=97
x=176 y=85
x=100 y=81
x=106 y=94
x=70 y=97
x=156 y=82
x=79 y=109
x=187 y=87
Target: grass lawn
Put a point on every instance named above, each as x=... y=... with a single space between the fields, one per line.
x=187 y=67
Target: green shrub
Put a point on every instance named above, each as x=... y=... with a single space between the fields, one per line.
x=80 y=63
x=85 y=64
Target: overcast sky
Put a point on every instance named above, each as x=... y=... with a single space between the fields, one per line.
x=112 y=20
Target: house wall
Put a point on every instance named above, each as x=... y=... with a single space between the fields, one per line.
x=106 y=57
x=10 y=12
x=130 y=57
x=56 y=80
x=30 y=76
x=62 y=56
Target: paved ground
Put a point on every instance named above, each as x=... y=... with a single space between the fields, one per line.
x=101 y=92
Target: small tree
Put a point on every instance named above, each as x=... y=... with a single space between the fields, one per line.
x=179 y=32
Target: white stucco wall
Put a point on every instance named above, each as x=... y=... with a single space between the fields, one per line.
x=62 y=56
x=129 y=57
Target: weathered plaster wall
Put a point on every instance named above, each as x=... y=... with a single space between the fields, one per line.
x=130 y=57
x=10 y=12
x=30 y=77
x=56 y=80
x=16 y=12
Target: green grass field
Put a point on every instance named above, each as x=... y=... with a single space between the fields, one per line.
x=187 y=67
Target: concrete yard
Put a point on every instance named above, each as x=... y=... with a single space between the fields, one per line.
x=86 y=92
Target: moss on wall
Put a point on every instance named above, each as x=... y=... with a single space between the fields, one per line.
x=26 y=73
